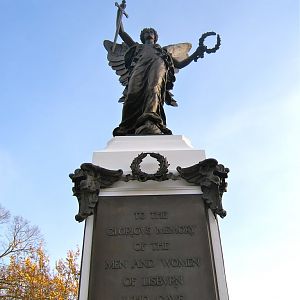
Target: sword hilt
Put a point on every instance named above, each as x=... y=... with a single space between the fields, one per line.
x=122 y=7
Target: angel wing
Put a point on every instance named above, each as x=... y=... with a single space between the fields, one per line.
x=179 y=51
x=116 y=60
x=196 y=173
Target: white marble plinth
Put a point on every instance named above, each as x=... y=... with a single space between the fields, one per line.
x=121 y=151
x=119 y=154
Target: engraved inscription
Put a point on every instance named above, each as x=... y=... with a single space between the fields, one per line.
x=154 y=246
x=151 y=248
x=176 y=229
x=159 y=215
x=128 y=231
x=154 y=215
x=142 y=297
x=170 y=297
x=139 y=246
x=173 y=262
x=154 y=281
x=129 y=281
x=139 y=215
x=135 y=298
x=142 y=264
x=190 y=262
x=160 y=246
x=115 y=264
x=158 y=281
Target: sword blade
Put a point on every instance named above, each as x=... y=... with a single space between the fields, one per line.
x=119 y=19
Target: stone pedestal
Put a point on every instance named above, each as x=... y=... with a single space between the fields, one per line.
x=148 y=239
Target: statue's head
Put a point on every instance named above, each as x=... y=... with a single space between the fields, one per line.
x=149 y=34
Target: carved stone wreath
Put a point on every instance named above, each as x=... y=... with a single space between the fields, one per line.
x=160 y=175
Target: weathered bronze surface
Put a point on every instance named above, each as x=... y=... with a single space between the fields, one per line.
x=152 y=248
x=211 y=177
x=147 y=71
x=87 y=183
x=208 y=174
x=160 y=175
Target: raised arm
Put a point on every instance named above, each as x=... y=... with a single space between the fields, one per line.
x=125 y=36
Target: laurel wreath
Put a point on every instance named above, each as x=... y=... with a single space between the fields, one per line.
x=203 y=48
x=160 y=175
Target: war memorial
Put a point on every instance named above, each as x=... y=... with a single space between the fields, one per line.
x=149 y=200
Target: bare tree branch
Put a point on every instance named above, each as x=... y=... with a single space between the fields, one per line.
x=4 y=215
x=20 y=237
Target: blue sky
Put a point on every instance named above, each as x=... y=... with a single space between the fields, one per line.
x=241 y=105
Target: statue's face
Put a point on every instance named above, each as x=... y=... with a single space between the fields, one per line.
x=149 y=36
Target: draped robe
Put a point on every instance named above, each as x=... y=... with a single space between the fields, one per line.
x=151 y=71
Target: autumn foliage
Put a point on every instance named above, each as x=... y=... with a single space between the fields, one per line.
x=26 y=273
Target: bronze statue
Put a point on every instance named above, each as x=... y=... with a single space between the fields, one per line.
x=147 y=71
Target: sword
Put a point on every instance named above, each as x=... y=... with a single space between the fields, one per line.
x=121 y=11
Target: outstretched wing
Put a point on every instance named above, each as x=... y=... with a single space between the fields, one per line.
x=196 y=173
x=116 y=60
x=179 y=51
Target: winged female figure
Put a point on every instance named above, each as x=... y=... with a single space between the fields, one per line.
x=147 y=71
